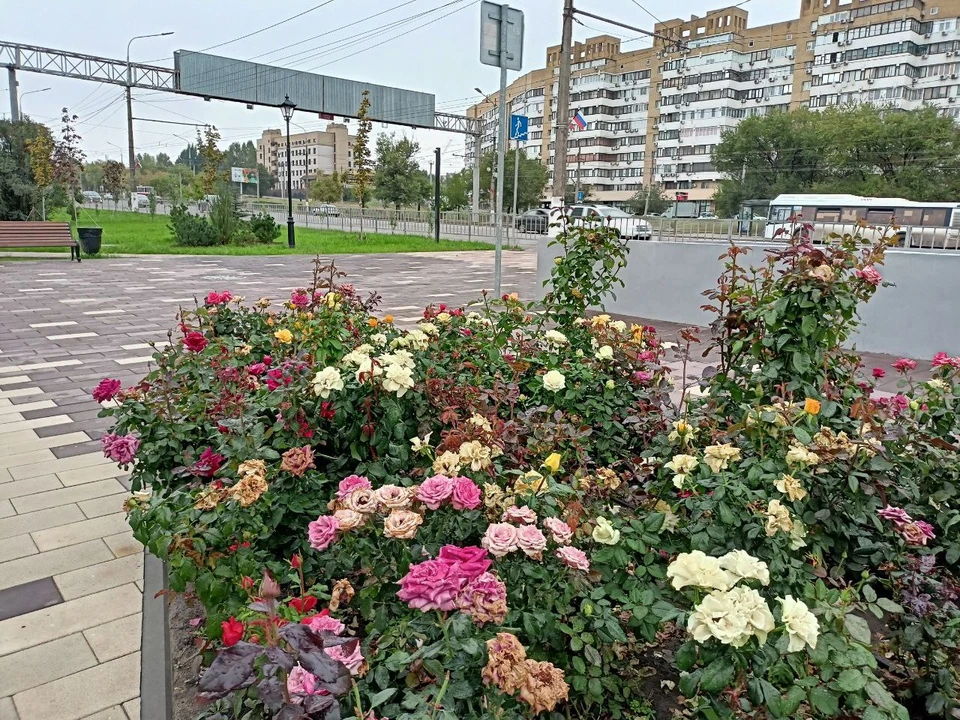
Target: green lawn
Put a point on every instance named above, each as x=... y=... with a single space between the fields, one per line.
x=143 y=234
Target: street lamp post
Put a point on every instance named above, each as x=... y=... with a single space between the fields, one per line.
x=131 y=156
x=23 y=95
x=287 y=107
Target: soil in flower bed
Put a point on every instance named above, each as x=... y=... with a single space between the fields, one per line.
x=185 y=655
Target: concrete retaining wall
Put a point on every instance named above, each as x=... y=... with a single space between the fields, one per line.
x=918 y=317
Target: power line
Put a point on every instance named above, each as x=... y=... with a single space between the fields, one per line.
x=269 y=27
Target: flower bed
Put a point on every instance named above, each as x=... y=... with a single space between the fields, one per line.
x=500 y=513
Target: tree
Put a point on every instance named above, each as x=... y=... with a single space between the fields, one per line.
x=268 y=181
x=41 y=161
x=114 y=180
x=189 y=156
x=19 y=194
x=362 y=172
x=328 y=187
x=240 y=155
x=456 y=189
x=649 y=200
x=68 y=158
x=532 y=179
x=210 y=157
x=163 y=161
x=399 y=180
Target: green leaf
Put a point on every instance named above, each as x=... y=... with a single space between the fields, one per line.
x=717 y=676
x=889 y=605
x=686 y=655
x=595 y=688
x=791 y=701
x=593 y=657
x=381 y=697
x=808 y=325
x=851 y=680
x=869 y=594
x=802 y=435
x=688 y=683
x=824 y=701
x=858 y=628
x=871 y=713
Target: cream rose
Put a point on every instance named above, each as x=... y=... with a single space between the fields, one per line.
x=326 y=381
x=700 y=570
x=554 y=380
x=801 y=624
x=402 y=524
x=605 y=533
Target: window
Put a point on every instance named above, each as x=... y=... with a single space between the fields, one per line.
x=828 y=215
x=935 y=218
x=880 y=217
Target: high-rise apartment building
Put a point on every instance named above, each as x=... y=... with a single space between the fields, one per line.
x=657 y=113
x=311 y=154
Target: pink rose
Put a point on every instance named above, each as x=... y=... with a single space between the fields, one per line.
x=870 y=275
x=256 y=368
x=322 y=532
x=319 y=623
x=215 y=298
x=106 y=390
x=916 y=533
x=484 y=599
x=301 y=682
x=519 y=515
x=120 y=448
x=905 y=365
x=560 y=532
x=466 y=495
x=431 y=585
x=878 y=373
x=299 y=298
x=531 y=541
x=434 y=491
x=500 y=539
x=351 y=483
x=571 y=557
x=899 y=516
x=352 y=659
x=469 y=561
x=941 y=359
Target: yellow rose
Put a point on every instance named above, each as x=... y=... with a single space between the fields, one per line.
x=552 y=463
x=284 y=336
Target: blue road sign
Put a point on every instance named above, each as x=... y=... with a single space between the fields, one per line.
x=580 y=196
x=518 y=127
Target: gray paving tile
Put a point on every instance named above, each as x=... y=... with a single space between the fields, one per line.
x=28 y=597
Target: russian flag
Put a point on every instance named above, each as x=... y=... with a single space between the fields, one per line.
x=579 y=121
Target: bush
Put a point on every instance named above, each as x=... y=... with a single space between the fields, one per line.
x=244 y=235
x=224 y=217
x=510 y=514
x=191 y=230
x=264 y=227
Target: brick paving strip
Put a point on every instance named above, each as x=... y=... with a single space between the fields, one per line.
x=71 y=574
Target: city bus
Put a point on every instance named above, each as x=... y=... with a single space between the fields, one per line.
x=913 y=224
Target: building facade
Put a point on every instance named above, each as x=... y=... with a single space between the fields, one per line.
x=656 y=114
x=311 y=154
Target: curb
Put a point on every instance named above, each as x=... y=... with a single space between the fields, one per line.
x=156 y=681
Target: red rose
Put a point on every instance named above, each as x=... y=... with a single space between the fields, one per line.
x=296 y=561
x=106 y=390
x=303 y=605
x=232 y=631
x=247 y=582
x=194 y=341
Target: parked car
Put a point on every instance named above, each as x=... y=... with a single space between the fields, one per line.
x=329 y=210
x=535 y=220
x=708 y=216
x=627 y=225
x=108 y=196
x=92 y=196
x=139 y=200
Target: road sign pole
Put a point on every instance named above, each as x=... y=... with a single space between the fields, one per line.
x=501 y=149
x=516 y=174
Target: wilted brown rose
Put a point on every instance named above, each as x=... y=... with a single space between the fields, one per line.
x=608 y=479
x=394 y=497
x=505 y=668
x=210 y=499
x=297 y=461
x=349 y=519
x=402 y=524
x=252 y=467
x=249 y=489
x=543 y=686
x=361 y=500
x=341 y=594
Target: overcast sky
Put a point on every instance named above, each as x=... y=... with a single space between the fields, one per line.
x=435 y=53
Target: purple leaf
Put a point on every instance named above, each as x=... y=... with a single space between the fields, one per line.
x=232 y=668
x=291 y=712
x=279 y=657
x=322 y=707
x=271 y=693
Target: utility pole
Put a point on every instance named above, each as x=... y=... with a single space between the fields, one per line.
x=436 y=197
x=476 y=178
x=131 y=156
x=14 y=102
x=563 y=106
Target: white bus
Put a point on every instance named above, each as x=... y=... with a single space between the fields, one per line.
x=914 y=224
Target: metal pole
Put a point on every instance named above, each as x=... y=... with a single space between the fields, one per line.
x=563 y=106
x=14 y=103
x=516 y=174
x=476 y=175
x=436 y=197
x=291 y=240
x=131 y=155
x=577 y=196
x=646 y=204
x=501 y=149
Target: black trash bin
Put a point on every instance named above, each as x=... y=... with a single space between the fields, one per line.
x=90 y=239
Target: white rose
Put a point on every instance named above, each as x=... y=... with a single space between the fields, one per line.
x=428 y=329
x=619 y=325
x=700 y=570
x=604 y=353
x=367 y=370
x=743 y=565
x=397 y=378
x=801 y=624
x=327 y=380
x=554 y=380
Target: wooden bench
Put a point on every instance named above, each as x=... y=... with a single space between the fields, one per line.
x=38 y=234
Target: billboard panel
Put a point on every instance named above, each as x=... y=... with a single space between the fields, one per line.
x=245 y=175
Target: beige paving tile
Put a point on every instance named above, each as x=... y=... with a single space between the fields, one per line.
x=20 y=392
x=6 y=509
x=34 y=567
x=28 y=441
x=115 y=639
x=78 y=532
x=103 y=505
x=5 y=476
x=13 y=380
x=74 y=494
x=38 y=405
x=58 y=465
x=48 y=365
x=15 y=547
x=20 y=524
x=105 y=575
x=29 y=487
x=24 y=458
x=7 y=711
x=123 y=544
x=67 y=618
x=89 y=474
x=132 y=709
x=13 y=427
x=44 y=663
x=114 y=713
x=84 y=693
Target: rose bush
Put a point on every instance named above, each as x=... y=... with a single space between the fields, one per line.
x=510 y=510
